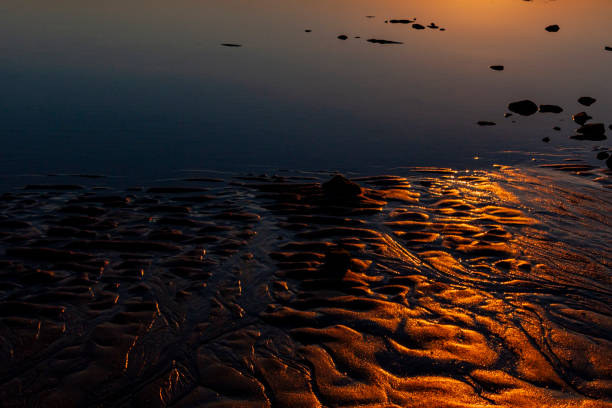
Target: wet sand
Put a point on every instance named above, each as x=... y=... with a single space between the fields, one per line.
x=434 y=288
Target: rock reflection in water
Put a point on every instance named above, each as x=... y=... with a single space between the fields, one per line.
x=438 y=288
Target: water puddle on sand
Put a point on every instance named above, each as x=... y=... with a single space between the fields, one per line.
x=433 y=288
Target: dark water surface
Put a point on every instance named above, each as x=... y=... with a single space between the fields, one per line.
x=141 y=89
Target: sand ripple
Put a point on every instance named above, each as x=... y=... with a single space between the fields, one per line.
x=435 y=289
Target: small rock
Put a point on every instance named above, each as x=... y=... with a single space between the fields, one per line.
x=557 y=128
x=433 y=25
x=486 y=123
x=308 y=31
x=602 y=155
x=417 y=26
x=552 y=28
x=609 y=162
x=507 y=115
x=376 y=41
x=586 y=100
x=550 y=109
x=402 y=21
x=497 y=67
x=231 y=45
x=546 y=139
x=608 y=48
x=581 y=118
x=342 y=37
x=593 y=131
x=593 y=128
x=339 y=187
x=524 y=108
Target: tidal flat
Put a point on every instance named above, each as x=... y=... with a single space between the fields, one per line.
x=436 y=288
x=319 y=203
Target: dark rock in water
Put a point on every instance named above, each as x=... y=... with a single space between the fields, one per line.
x=376 y=41
x=610 y=127
x=608 y=48
x=586 y=100
x=486 y=123
x=497 y=67
x=552 y=28
x=550 y=109
x=557 y=128
x=593 y=131
x=231 y=45
x=402 y=21
x=370 y=16
x=342 y=37
x=603 y=155
x=546 y=139
x=592 y=138
x=507 y=115
x=418 y=27
x=593 y=128
x=337 y=262
x=581 y=118
x=341 y=188
x=308 y=31
x=433 y=25
x=443 y=29
x=609 y=162
x=524 y=108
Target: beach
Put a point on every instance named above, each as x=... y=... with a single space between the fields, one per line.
x=305 y=204
x=439 y=288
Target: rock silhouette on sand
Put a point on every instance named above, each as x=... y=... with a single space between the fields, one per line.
x=523 y=108
x=339 y=188
x=497 y=67
x=342 y=37
x=552 y=28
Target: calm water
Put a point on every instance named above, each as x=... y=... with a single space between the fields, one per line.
x=142 y=89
